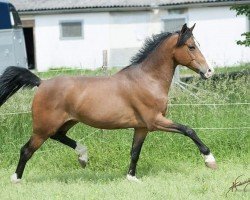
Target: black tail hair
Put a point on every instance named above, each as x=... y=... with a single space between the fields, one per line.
x=13 y=79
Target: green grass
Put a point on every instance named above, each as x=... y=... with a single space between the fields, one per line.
x=176 y=181
x=218 y=70
x=184 y=71
x=170 y=165
x=72 y=72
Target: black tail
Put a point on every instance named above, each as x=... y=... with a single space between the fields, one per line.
x=13 y=79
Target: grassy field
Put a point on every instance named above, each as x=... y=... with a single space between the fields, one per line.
x=170 y=165
x=218 y=70
x=184 y=71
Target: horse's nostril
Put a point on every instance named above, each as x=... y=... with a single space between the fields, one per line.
x=209 y=70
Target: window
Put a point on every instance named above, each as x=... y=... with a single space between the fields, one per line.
x=173 y=24
x=71 y=30
x=176 y=11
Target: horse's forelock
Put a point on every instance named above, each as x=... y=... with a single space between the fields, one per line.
x=183 y=37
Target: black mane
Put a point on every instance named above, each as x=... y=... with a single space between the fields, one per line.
x=150 y=45
x=153 y=42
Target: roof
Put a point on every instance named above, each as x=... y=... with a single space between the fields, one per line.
x=49 y=5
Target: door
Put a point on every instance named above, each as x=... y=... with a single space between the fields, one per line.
x=28 y=30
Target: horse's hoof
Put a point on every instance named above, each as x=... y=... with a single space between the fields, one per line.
x=210 y=161
x=82 y=162
x=211 y=165
x=133 y=178
x=14 y=179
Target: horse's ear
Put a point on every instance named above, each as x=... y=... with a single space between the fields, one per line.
x=184 y=28
x=192 y=28
x=184 y=35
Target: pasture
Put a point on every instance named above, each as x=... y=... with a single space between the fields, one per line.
x=170 y=165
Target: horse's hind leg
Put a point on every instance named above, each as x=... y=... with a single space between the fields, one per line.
x=81 y=150
x=25 y=154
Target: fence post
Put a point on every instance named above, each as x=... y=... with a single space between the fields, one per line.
x=104 y=67
x=105 y=61
x=177 y=75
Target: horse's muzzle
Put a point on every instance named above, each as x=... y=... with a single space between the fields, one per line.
x=207 y=74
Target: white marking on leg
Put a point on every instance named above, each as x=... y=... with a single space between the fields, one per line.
x=14 y=179
x=133 y=178
x=82 y=152
x=209 y=158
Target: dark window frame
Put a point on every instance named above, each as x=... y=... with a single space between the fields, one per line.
x=63 y=37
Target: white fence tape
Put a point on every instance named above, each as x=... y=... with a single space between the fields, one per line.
x=15 y=113
x=222 y=128
x=208 y=104
x=171 y=104
x=184 y=104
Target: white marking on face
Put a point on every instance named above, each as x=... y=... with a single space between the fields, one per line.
x=14 y=179
x=209 y=158
x=196 y=42
x=82 y=152
x=209 y=63
x=210 y=70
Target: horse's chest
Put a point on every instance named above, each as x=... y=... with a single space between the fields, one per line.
x=159 y=104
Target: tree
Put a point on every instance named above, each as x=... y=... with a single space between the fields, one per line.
x=243 y=10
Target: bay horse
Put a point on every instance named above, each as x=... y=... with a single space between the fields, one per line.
x=135 y=97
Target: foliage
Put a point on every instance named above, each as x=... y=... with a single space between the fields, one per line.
x=243 y=10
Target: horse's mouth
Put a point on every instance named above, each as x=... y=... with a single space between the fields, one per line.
x=203 y=76
x=206 y=75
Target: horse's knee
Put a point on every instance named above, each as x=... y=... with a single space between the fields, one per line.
x=189 y=132
x=192 y=134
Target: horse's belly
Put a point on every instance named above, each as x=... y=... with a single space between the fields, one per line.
x=108 y=114
x=109 y=121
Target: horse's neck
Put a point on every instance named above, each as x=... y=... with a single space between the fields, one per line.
x=161 y=70
x=158 y=67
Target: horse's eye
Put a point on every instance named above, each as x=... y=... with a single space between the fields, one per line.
x=191 y=48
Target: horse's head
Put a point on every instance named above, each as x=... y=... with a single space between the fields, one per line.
x=188 y=54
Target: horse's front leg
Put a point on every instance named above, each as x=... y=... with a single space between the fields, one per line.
x=139 y=137
x=164 y=124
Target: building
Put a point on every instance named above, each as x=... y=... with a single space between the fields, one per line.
x=84 y=33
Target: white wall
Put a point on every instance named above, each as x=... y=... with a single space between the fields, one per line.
x=51 y=51
x=128 y=31
x=217 y=30
x=123 y=33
